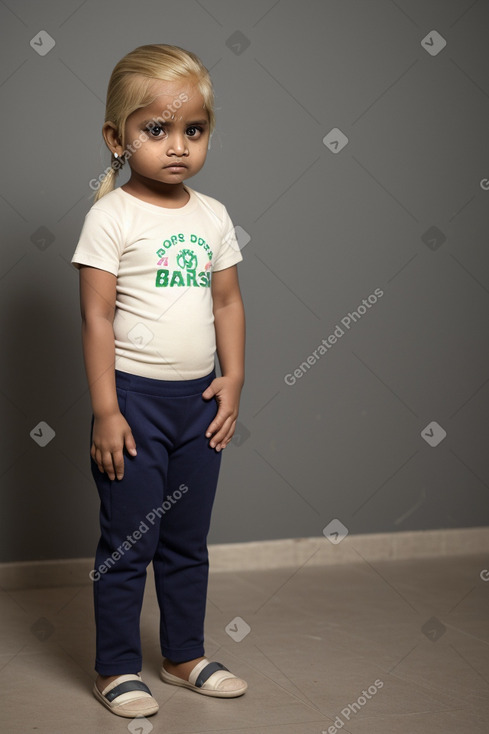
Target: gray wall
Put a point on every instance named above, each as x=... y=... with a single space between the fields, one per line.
x=402 y=207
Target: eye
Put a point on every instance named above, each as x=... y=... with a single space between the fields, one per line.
x=199 y=130
x=154 y=130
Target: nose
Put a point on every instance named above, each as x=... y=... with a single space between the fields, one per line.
x=177 y=143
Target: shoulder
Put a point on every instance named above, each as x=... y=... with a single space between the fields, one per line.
x=112 y=204
x=213 y=207
x=209 y=202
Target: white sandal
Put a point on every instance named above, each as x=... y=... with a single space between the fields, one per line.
x=128 y=696
x=210 y=679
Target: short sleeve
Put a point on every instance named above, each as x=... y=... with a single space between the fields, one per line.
x=101 y=242
x=229 y=252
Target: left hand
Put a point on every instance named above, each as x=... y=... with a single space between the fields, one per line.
x=227 y=391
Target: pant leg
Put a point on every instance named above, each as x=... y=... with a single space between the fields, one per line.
x=128 y=540
x=181 y=562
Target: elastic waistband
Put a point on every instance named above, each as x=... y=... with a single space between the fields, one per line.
x=162 y=388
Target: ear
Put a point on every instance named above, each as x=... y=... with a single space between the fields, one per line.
x=111 y=137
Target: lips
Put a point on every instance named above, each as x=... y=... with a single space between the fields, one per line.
x=176 y=165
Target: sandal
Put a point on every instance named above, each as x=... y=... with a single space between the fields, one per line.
x=210 y=679
x=128 y=696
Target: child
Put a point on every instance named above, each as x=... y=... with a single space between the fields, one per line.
x=159 y=295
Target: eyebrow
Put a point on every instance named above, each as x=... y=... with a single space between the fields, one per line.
x=168 y=122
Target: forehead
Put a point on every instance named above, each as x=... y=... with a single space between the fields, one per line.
x=180 y=98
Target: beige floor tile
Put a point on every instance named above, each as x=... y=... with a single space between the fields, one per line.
x=413 y=635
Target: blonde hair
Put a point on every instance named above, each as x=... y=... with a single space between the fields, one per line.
x=130 y=88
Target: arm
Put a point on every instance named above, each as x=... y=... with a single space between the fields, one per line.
x=111 y=431
x=229 y=322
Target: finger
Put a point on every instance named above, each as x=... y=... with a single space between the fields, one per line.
x=212 y=389
x=222 y=437
x=108 y=464
x=209 y=392
x=97 y=457
x=222 y=445
x=118 y=463
x=221 y=415
x=229 y=436
x=130 y=444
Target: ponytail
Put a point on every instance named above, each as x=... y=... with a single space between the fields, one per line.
x=107 y=183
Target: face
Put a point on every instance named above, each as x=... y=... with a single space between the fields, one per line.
x=174 y=129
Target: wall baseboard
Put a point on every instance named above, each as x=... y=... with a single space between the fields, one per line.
x=269 y=554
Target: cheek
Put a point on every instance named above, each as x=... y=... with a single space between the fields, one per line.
x=146 y=153
x=203 y=146
x=141 y=160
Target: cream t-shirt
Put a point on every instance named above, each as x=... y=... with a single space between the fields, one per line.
x=163 y=259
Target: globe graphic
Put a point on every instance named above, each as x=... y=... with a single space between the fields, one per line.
x=187 y=259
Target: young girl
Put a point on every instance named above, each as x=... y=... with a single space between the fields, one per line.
x=159 y=295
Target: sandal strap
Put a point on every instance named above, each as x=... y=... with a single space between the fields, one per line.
x=125 y=687
x=206 y=672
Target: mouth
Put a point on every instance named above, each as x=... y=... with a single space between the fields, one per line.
x=176 y=165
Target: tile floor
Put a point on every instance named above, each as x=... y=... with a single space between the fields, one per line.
x=414 y=635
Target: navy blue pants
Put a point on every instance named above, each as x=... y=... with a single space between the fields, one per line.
x=159 y=512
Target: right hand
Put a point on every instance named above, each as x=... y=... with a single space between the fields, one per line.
x=111 y=433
